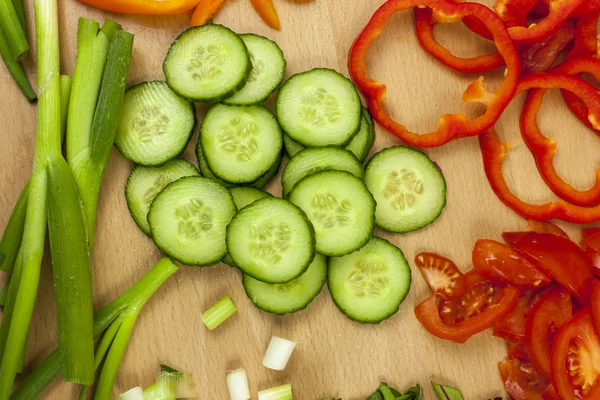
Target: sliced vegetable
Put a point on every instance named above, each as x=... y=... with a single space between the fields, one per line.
x=513 y=327
x=546 y=227
x=207 y=64
x=408 y=187
x=442 y=275
x=13 y=31
x=205 y=10
x=237 y=384
x=13 y=232
x=521 y=380
x=245 y=195
x=271 y=240
x=16 y=69
x=446 y=392
x=143 y=6
x=155 y=125
x=268 y=13
x=560 y=258
x=283 y=392
x=278 y=353
x=369 y=285
x=218 y=313
x=137 y=393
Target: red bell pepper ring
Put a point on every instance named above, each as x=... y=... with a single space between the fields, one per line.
x=588 y=7
x=558 y=257
x=559 y=12
x=451 y=126
x=540 y=56
x=544 y=149
x=546 y=227
x=494 y=151
x=514 y=12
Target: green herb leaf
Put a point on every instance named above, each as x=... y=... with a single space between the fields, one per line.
x=375 y=396
x=446 y=392
x=166 y=368
x=386 y=392
x=395 y=392
x=414 y=393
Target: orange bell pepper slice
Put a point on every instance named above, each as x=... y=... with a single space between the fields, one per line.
x=143 y=6
x=205 y=10
x=268 y=13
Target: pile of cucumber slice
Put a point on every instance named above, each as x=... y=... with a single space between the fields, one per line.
x=322 y=229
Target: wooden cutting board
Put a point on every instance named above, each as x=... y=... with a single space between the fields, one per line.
x=334 y=356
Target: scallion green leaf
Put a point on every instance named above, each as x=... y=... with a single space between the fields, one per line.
x=218 y=313
x=13 y=233
x=20 y=10
x=16 y=69
x=13 y=30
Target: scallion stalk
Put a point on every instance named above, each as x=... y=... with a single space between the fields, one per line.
x=13 y=233
x=66 y=83
x=283 y=392
x=136 y=296
x=278 y=353
x=20 y=10
x=237 y=385
x=13 y=30
x=16 y=69
x=137 y=393
x=218 y=313
x=47 y=149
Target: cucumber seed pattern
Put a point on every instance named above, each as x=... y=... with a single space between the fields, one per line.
x=402 y=189
x=158 y=185
x=368 y=278
x=239 y=137
x=257 y=68
x=268 y=240
x=150 y=123
x=194 y=218
x=319 y=108
x=206 y=62
x=330 y=212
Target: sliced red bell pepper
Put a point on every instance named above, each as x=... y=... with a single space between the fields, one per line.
x=501 y=265
x=205 y=10
x=586 y=36
x=268 y=13
x=544 y=149
x=451 y=126
x=425 y=21
x=514 y=12
x=557 y=256
x=591 y=245
x=485 y=309
x=540 y=56
x=588 y=7
x=546 y=227
x=143 y=6
x=494 y=151
x=548 y=314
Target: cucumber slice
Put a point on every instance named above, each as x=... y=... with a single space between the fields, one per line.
x=340 y=208
x=271 y=240
x=155 y=124
x=369 y=285
x=259 y=183
x=360 y=145
x=188 y=220
x=207 y=63
x=268 y=68
x=409 y=189
x=288 y=297
x=318 y=108
x=144 y=183
x=242 y=197
x=315 y=159
x=240 y=144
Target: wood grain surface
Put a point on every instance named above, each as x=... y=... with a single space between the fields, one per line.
x=334 y=356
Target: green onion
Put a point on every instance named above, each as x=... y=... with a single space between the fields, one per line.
x=135 y=297
x=47 y=149
x=13 y=30
x=16 y=69
x=72 y=274
x=237 y=385
x=20 y=10
x=283 y=392
x=137 y=393
x=13 y=234
x=66 y=82
x=218 y=313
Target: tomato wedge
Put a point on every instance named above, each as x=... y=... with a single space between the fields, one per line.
x=595 y=305
x=575 y=359
x=550 y=394
x=481 y=306
x=545 y=318
x=513 y=326
x=545 y=227
x=591 y=244
x=441 y=274
x=501 y=265
x=521 y=380
x=557 y=256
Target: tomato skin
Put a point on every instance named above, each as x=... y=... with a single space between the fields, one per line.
x=428 y=313
x=441 y=274
x=546 y=227
x=591 y=245
x=513 y=326
x=521 y=380
x=499 y=264
x=550 y=394
x=557 y=256
x=595 y=305
x=549 y=313
x=580 y=328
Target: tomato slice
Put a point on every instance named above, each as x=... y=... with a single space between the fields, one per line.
x=550 y=394
x=595 y=305
x=521 y=380
x=441 y=274
x=545 y=318
x=479 y=308
x=518 y=351
x=591 y=245
x=575 y=359
x=557 y=256
x=546 y=227
x=512 y=327
x=501 y=265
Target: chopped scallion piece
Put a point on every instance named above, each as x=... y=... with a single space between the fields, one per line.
x=278 y=353
x=283 y=392
x=137 y=393
x=237 y=384
x=217 y=314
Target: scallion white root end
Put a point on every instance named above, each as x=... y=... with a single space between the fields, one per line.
x=237 y=384
x=137 y=393
x=278 y=353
